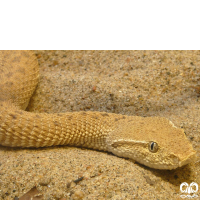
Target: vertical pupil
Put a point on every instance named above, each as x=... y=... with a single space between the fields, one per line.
x=152 y=144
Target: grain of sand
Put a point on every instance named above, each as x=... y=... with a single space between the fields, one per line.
x=143 y=83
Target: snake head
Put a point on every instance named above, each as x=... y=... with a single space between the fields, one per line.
x=152 y=141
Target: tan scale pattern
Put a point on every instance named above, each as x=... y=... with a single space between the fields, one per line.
x=124 y=136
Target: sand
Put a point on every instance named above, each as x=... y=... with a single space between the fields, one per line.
x=143 y=83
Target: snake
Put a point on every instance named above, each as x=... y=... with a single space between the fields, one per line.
x=151 y=141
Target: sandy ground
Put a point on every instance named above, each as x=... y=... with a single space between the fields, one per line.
x=144 y=83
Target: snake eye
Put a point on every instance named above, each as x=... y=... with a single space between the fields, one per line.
x=153 y=147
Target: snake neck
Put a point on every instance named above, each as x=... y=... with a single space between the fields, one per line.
x=19 y=128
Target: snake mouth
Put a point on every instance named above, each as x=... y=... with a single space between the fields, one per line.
x=175 y=162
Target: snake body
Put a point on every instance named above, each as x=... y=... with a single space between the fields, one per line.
x=152 y=141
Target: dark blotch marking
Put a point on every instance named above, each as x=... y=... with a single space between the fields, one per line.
x=83 y=113
x=105 y=114
x=38 y=116
x=21 y=70
x=56 y=123
x=94 y=117
x=2 y=99
x=13 y=116
x=70 y=117
x=116 y=119
x=16 y=59
x=9 y=74
x=9 y=83
x=26 y=54
x=18 y=112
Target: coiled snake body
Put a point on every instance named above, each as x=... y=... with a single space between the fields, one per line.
x=152 y=141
